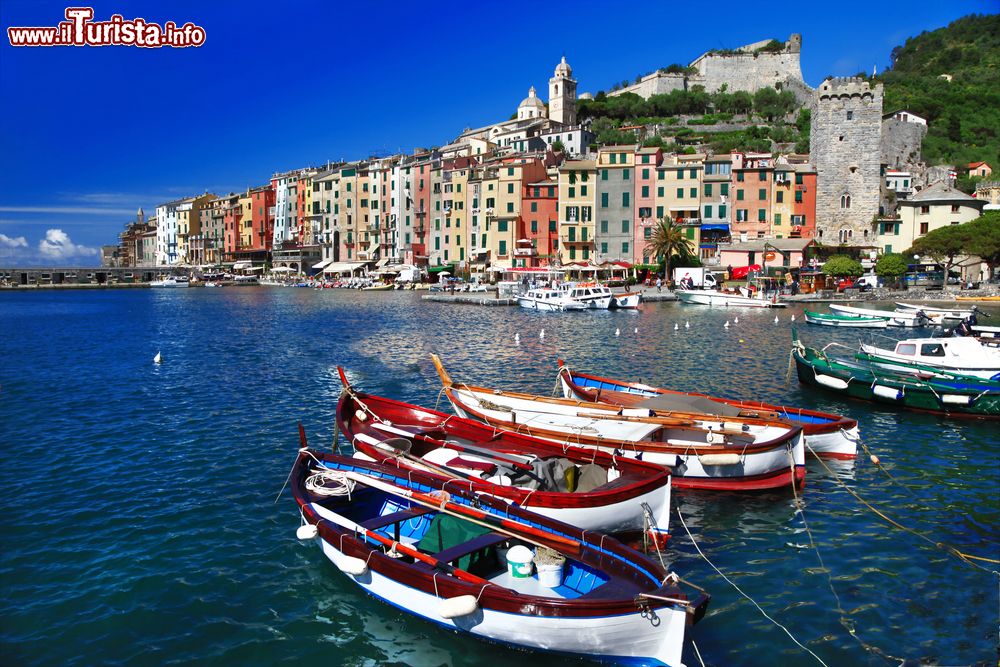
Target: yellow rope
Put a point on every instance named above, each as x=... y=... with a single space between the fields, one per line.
x=964 y=557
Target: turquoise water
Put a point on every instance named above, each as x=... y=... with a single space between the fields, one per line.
x=139 y=521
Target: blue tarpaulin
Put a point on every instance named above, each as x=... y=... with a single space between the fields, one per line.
x=723 y=227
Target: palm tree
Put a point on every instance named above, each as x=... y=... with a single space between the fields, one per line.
x=668 y=240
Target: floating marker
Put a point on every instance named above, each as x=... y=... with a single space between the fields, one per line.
x=517 y=337
x=618 y=332
x=775 y=319
x=742 y=341
x=726 y=325
x=158 y=358
x=687 y=324
x=541 y=334
x=793 y=318
x=636 y=330
x=676 y=327
x=736 y=320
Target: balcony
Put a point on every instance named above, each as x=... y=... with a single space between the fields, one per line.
x=525 y=252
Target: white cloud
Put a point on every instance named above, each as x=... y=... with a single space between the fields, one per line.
x=68 y=210
x=16 y=242
x=57 y=245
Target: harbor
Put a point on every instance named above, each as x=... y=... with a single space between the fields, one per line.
x=215 y=419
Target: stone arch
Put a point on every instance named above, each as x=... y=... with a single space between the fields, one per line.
x=845 y=200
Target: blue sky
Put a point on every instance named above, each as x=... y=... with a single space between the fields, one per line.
x=87 y=135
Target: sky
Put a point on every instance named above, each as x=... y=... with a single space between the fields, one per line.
x=90 y=134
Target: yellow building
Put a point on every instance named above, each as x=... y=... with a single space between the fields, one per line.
x=577 y=201
x=936 y=206
x=484 y=185
x=679 y=192
x=189 y=222
x=782 y=201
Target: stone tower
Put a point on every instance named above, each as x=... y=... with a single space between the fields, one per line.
x=562 y=95
x=845 y=142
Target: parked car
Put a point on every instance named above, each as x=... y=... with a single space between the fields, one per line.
x=852 y=283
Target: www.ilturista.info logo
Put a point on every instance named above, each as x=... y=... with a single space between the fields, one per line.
x=79 y=29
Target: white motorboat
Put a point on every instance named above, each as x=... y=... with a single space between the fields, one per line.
x=545 y=298
x=945 y=313
x=915 y=318
x=171 y=281
x=945 y=356
x=626 y=300
x=744 y=298
x=591 y=295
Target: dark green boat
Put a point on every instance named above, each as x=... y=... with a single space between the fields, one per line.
x=966 y=397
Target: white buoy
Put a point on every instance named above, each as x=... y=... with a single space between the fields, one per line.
x=687 y=324
x=517 y=338
x=636 y=330
x=306 y=532
x=736 y=320
x=726 y=325
x=793 y=318
x=158 y=358
x=541 y=334
x=775 y=319
x=618 y=332
x=677 y=327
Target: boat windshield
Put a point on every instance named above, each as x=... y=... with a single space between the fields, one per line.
x=906 y=348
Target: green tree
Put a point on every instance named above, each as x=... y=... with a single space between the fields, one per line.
x=667 y=241
x=558 y=147
x=984 y=239
x=890 y=265
x=943 y=245
x=842 y=265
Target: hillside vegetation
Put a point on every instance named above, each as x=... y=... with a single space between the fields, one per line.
x=963 y=114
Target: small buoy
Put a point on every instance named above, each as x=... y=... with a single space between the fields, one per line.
x=306 y=532
x=541 y=334
x=677 y=327
x=636 y=330
x=158 y=358
x=517 y=338
x=463 y=605
x=726 y=325
x=618 y=332
x=793 y=318
x=736 y=320
x=775 y=319
x=687 y=324
x=351 y=565
x=875 y=459
x=742 y=341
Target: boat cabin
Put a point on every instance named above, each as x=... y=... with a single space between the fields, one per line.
x=933 y=349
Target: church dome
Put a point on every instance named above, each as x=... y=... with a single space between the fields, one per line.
x=531 y=101
x=563 y=69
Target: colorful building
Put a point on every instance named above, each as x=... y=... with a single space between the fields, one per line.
x=540 y=220
x=753 y=175
x=577 y=203
x=615 y=212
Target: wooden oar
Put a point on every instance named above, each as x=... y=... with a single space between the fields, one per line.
x=393 y=545
x=400 y=447
x=470 y=514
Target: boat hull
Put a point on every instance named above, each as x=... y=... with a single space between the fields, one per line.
x=896 y=319
x=859 y=322
x=826 y=435
x=627 y=301
x=722 y=299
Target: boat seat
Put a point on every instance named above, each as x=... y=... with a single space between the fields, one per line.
x=614 y=589
x=484 y=541
x=394 y=517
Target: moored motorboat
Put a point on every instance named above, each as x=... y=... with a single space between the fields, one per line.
x=626 y=300
x=849 y=378
x=548 y=299
x=706 y=453
x=591 y=295
x=948 y=356
x=463 y=562
x=846 y=320
x=945 y=313
x=826 y=435
x=589 y=489
x=171 y=282
x=916 y=318
x=744 y=298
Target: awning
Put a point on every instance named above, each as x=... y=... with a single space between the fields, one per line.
x=239 y=266
x=716 y=227
x=322 y=264
x=382 y=262
x=254 y=268
x=439 y=269
x=343 y=267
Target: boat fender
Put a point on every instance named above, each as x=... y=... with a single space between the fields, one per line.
x=360 y=414
x=886 y=392
x=637 y=412
x=352 y=566
x=956 y=399
x=716 y=438
x=734 y=426
x=830 y=381
x=463 y=605
x=306 y=532
x=719 y=459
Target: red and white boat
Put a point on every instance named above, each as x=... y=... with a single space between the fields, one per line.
x=590 y=489
x=448 y=557
x=737 y=453
x=826 y=435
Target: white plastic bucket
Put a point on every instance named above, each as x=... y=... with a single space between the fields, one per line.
x=519 y=561
x=550 y=575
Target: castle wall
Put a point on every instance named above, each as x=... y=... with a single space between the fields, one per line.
x=657 y=83
x=747 y=71
x=845 y=142
x=901 y=143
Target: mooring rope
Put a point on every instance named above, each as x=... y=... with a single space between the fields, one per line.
x=964 y=557
x=740 y=591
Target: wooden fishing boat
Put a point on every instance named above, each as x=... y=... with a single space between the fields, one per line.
x=583 y=487
x=626 y=300
x=916 y=318
x=704 y=453
x=851 y=379
x=455 y=559
x=964 y=356
x=826 y=435
x=846 y=320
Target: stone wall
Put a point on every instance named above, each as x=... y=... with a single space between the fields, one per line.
x=657 y=83
x=846 y=140
x=901 y=143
